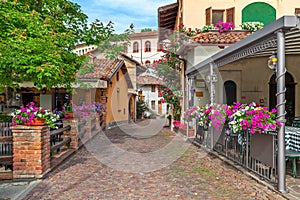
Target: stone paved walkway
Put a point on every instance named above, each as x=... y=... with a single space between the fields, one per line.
x=194 y=175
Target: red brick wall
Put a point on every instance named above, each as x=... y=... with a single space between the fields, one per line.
x=31 y=151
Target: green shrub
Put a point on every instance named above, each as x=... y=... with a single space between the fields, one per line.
x=252 y=26
x=5 y=118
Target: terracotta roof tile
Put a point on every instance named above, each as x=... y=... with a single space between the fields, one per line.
x=149 y=80
x=214 y=37
x=143 y=34
x=103 y=69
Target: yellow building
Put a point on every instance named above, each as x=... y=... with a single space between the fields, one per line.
x=248 y=80
x=196 y=13
x=113 y=94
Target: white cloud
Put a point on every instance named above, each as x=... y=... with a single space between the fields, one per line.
x=142 y=13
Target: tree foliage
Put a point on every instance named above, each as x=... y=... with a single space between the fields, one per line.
x=147 y=30
x=116 y=43
x=141 y=107
x=37 y=37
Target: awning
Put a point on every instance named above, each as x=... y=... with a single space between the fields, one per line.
x=261 y=43
x=90 y=84
x=166 y=19
x=87 y=83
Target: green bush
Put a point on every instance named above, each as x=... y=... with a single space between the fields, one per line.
x=5 y=118
x=252 y=26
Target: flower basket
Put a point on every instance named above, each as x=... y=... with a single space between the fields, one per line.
x=69 y=115
x=33 y=115
x=36 y=122
x=191 y=132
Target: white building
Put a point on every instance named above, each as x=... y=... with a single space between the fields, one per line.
x=83 y=49
x=150 y=86
x=144 y=47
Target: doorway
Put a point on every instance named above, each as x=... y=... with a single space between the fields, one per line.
x=230 y=92
x=159 y=107
x=289 y=96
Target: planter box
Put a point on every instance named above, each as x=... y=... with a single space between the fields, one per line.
x=191 y=132
x=262 y=148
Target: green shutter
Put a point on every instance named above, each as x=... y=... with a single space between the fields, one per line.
x=259 y=12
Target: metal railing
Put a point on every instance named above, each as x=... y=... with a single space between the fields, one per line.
x=255 y=152
x=6 y=145
x=58 y=139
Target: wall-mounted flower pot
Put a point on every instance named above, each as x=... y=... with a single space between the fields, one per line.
x=36 y=122
x=191 y=132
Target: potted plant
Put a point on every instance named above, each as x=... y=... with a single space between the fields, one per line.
x=33 y=115
x=69 y=113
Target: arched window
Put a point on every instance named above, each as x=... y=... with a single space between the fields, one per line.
x=135 y=47
x=230 y=92
x=148 y=63
x=147 y=46
x=159 y=46
x=259 y=12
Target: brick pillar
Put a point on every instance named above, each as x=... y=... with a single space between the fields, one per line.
x=73 y=133
x=31 y=148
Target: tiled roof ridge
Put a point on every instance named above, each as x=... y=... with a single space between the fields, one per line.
x=215 y=37
x=141 y=34
x=103 y=68
x=146 y=80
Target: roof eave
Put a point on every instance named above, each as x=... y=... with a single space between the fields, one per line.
x=285 y=22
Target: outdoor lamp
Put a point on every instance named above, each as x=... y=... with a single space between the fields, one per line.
x=272 y=61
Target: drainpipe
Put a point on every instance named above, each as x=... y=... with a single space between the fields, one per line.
x=212 y=84
x=212 y=99
x=187 y=97
x=280 y=78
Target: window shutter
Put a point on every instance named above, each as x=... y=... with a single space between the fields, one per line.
x=208 y=12
x=230 y=15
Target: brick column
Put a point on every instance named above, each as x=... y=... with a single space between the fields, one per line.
x=31 y=148
x=73 y=133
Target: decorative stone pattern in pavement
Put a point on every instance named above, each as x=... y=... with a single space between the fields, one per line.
x=192 y=176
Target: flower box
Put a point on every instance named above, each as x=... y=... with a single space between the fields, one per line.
x=191 y=132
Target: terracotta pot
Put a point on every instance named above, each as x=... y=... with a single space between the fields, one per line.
x=36 y=122
x=191 y=132
x=69 y=115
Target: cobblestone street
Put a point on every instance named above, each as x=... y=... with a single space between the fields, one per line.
x=195 y=175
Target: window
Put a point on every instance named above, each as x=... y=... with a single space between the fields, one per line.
x=148 y=63
x=217 y=15
x=297 y=11
x=152 y=88
x=159 y=46
x=153 y=105
x=147 y=46
x=135 y=47
x=214 y=16
x=117 y=76
x=159 y=91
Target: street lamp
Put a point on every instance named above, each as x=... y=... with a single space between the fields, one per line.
x=272 y=61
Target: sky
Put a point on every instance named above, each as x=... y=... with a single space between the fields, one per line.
x=142 y=13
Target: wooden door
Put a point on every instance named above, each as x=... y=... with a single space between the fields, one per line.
x=159 y=107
